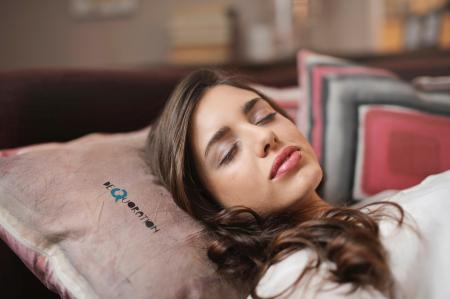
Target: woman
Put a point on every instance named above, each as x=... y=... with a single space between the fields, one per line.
x=233 y=159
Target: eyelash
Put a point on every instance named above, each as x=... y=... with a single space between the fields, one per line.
x=266 y=118
x=229 y=156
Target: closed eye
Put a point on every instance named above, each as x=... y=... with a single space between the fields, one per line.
x=230 y=155
x=232 y=152
x=266 y=118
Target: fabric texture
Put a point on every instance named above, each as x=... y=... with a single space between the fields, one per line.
x=418 y=251
x=436 y=84
x=87 y=218
x=333 y=89
x=397 y=147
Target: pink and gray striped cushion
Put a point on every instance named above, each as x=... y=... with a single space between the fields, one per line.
x=333 y=90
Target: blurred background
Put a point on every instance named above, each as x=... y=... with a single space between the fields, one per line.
x=84 y=42
x=154 y=33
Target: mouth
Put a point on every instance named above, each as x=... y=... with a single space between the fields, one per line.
x=287 y=160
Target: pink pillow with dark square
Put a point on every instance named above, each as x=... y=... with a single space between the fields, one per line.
x=398 y=147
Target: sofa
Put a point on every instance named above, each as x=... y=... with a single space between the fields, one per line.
x=39 y=106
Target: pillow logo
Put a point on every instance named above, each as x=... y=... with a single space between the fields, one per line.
x=122 y=195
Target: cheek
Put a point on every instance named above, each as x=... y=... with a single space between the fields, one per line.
x=288 y=132
x=236 y=185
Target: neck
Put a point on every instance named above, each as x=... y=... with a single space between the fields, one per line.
x=322 y=205
x=311 y=207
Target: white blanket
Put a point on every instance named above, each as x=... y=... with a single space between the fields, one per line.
x=420 y=264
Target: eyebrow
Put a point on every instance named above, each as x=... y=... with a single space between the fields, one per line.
x=245 y=109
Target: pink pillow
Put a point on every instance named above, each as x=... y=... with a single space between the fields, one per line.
x=398 y=147
x=87 y=219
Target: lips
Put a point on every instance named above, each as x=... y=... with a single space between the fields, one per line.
x=286 y=160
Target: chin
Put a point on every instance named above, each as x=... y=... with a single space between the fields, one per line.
x=309 y=179
x=319 y=177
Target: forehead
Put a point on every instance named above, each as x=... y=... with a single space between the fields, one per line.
x=219 y=106
x=225 y=95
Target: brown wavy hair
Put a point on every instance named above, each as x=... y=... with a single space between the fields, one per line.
x=245 y=244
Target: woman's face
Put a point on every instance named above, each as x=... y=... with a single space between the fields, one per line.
x=236 y=140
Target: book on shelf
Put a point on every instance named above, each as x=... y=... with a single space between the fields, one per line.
x=200 y=34
x=444 y=37
x=392 y=35
x=424 y=7
x=199 y=55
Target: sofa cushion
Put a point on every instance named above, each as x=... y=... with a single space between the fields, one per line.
x=333 y=90
x=398 y=146
x=87 y=219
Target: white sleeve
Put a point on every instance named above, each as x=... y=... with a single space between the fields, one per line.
x=313 y=286
x=419 y=263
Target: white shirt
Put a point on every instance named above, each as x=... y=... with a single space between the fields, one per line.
x=420 y=262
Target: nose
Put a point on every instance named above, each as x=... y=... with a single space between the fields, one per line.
x=265 y=141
